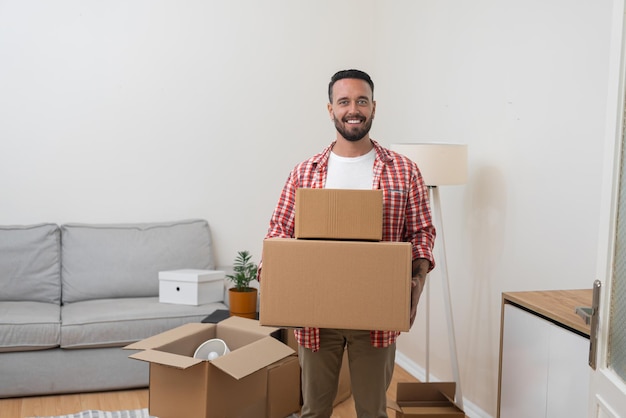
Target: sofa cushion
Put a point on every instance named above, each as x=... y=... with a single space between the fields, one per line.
x=30 y=263
x=29 y=326
x=123 y=261
x=118 y=322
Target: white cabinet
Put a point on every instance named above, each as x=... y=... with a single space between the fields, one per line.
x=543 y=370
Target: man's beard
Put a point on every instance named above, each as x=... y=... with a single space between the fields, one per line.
x=353 y=135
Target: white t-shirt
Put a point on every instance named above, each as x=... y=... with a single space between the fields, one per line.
x=351 y=172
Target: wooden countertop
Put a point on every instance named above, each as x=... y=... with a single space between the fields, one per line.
x=555 y=305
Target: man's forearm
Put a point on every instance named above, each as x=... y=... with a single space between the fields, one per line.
x=421 y=266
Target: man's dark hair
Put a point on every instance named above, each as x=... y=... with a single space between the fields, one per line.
x=339 y=75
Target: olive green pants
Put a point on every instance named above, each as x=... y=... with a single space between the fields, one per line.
x=371 y=370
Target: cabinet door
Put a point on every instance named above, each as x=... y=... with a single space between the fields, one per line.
x=525 y=360
x=569 y=373
x=544 y=368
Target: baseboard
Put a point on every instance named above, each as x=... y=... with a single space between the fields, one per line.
x=415 y=370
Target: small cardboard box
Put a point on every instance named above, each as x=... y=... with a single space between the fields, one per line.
x=339 y=214
x=191 y=287
x=336 y=284
x=425 y=400
x=258 y=378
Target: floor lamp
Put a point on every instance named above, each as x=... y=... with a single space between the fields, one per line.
x=440 y=164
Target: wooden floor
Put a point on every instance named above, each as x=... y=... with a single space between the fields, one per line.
x=130 y=399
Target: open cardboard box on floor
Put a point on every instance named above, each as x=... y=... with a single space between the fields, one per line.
x=258 y=378
x=336 y=284
x=425 y=400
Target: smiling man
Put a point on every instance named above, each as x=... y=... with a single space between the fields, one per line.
x=353 y=116
x=354 y=161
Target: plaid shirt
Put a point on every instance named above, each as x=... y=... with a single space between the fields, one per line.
x=406 y=214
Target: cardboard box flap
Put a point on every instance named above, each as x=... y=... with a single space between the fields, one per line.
x=391 y=404
x=166 y=359
x=404 y=406
x=429 y=391
x=251 y=325
x=428 y=400
x=169 y=336
x=252 y=357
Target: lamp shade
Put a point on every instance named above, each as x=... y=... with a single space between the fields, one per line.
x=440 y=164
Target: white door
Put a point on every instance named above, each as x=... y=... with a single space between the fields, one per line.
x=607 y=393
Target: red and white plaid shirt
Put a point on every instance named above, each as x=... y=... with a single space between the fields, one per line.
x=406 y=214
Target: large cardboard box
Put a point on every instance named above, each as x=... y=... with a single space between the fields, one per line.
x=339 y=214
x=336 y=284
x=191 y=286
x=258 y=378
x=425 y=400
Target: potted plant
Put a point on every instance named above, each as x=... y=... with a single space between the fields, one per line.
x=243 y=298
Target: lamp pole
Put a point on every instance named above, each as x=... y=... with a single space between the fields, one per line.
x=443 y=265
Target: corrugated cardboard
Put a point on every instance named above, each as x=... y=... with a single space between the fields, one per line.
x=425 y=400
x=336 y=284
x=339 y=214
x=191 y=287
x=281 y=389
x=236 y=384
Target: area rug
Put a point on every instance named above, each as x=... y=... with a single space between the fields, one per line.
x=137 y=413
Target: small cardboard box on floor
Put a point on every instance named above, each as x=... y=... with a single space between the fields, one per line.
x=336 y=284
x=339 y=214
x=425 y=400
x=258 y=378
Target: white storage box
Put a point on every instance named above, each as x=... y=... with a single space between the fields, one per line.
x=191 y=287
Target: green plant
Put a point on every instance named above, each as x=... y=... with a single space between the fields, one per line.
x=244 y=271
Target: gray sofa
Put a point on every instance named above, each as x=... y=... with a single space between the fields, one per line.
x=71 y=296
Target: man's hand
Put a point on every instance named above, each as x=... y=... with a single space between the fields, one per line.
x=418 y=281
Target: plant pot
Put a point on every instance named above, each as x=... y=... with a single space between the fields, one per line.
x=243 y=303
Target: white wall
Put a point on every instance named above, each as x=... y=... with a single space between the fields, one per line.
x=147 y=111
x=524 y=84
x=126 y=111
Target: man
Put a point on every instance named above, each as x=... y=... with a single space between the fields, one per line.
x=354 y=161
